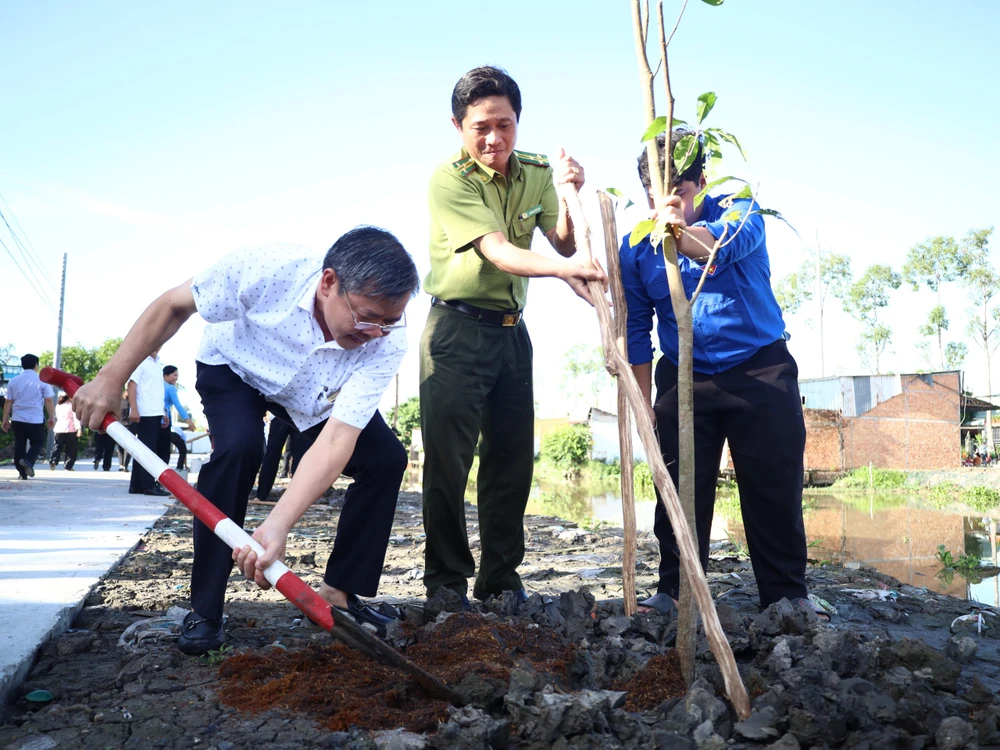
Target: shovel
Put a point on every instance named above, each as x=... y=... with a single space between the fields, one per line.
x=277 y=573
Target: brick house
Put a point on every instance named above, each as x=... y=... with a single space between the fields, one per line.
x=908 y=422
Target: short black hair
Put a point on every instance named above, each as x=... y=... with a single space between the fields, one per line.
x=63 y=398
x=371 y=262
x=29 y=362
x=692 y=173
x=480 y=83
x=169 y=370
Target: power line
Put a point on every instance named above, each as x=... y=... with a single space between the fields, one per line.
x=37 y=257
x=30 y=282
x=20 y=246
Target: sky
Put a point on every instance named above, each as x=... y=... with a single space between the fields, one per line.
x=146 y=141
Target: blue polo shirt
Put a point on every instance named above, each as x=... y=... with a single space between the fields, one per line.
x=735 y=314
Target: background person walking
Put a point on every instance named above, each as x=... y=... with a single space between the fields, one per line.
x=28 y=401
x=67 y=432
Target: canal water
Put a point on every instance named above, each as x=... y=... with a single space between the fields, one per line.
x=896 y=534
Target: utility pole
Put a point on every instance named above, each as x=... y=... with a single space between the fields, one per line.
x=57 y=363
x=62 y=308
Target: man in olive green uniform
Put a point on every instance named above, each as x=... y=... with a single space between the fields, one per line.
x=475 y=354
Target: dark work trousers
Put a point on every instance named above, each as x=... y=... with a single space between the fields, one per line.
x=475 y=379
x=182 y=450
x=29 y=442
x=104 y=450
x=163 y=442
x=756 y=405
x=148 y=433
x=277 y=435
x=66 y=442
x=124 y=457
x=235 y=413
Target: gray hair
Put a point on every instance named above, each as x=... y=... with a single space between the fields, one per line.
x=371 y=262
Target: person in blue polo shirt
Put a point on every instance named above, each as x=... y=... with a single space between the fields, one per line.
x=745 y=381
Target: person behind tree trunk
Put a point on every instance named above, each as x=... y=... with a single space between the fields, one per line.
x=67 y=432
x=745 y=380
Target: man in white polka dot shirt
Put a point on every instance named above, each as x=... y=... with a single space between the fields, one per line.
x=313 y=340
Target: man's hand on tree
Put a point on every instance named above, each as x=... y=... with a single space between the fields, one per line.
x=567 y=169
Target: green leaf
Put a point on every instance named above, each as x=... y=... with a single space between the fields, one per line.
x=745 y=194
x=684 y=153
x=728 y=138
x=715 y=3
x=614 y=191
x=775 y=214
x=630 y=203
x=705 y=103
x=639 y=231
x=714 y=184
x=679 y=122
x=657 y=126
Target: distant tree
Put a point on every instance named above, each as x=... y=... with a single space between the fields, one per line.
x=983 y=284
x=800 y=286
x=584 y=364
x=931 y=264
x=409 y=419
x=865 y=298
x=81 y=361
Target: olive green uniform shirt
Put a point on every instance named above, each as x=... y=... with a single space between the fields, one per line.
x=468 y=200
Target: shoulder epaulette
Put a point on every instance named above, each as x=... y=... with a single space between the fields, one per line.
x=539 y=160
x=465 y=166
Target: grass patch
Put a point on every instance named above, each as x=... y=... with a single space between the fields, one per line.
x=879 y=479
x=981 y=499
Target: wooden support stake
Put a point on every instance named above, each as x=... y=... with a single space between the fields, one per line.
x=624 y=418
x=618 y=365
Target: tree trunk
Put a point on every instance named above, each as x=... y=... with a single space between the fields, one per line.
x=624 y=420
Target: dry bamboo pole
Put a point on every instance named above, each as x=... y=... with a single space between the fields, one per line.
x=624 y=418
x=618 y=365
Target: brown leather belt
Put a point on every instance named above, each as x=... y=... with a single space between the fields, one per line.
x=492 y=317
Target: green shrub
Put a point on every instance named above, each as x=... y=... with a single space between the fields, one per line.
x=981 y=499
x=727 y=505
x=943 y=495
x=643 y=480
x=879 y=479
x=568 y=447
x=600 y=470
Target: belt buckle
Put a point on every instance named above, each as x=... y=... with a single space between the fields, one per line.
x=510 y=319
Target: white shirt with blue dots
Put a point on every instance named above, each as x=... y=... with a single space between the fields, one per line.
x=259 y=305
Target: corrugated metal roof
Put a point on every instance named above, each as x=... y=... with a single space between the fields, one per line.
x=852 y=395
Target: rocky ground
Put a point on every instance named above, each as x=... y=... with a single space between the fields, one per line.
x=567 y=669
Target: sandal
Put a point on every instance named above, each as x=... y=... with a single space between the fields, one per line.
x=662 y=603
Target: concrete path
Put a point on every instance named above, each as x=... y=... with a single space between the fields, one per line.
x=59 y=533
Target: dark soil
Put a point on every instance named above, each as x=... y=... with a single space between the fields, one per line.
x=565 y=669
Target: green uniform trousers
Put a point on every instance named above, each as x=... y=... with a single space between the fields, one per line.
x=475 y=378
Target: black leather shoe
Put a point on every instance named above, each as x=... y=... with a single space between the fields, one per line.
x=159 y=491
x=200 y=635
x=28 y=469
x=520 y=596
x=366 y=615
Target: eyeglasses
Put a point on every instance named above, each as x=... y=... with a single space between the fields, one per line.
x=361 y=325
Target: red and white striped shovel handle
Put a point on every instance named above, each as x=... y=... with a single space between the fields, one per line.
x=277 y=573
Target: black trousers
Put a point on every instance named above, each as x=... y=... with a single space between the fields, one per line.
x=104 y=450
x=279 y=434
x=235 y=413
x=66 y=442
x=756 y=405
x=182 y=450
x=148 y=433
x=124 y=457
x=29 y=442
